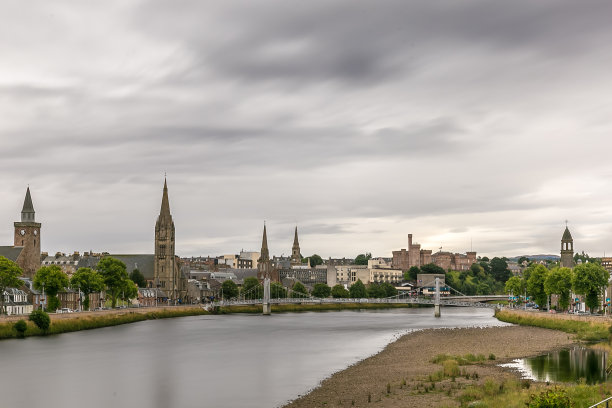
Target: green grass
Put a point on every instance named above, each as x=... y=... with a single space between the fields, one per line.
x=461 y=360
x=94 y=322
x=584 y=330
x=512 y=394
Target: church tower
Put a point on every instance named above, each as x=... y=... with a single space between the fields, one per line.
x=567 y=249
x=296 y=256
x=165 y=268
x=27 y=235
x=264 y=267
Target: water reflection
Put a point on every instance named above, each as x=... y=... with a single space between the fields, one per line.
x=571 y=365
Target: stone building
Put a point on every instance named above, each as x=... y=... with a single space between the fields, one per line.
x=25 y=251
x=296 y=255
x=264 y=266
x=567 y=249
x=454 y=262
x=413 y=256
x=166 y=265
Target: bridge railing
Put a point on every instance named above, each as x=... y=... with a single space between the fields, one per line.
x=395 y=300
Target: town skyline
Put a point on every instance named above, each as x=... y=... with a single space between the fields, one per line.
x=305 y=254
x=359 y=122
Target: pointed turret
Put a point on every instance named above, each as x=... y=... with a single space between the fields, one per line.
x=27 y=213
x=567 y=249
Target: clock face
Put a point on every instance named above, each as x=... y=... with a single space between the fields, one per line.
x=35 y=232
x=22 y=232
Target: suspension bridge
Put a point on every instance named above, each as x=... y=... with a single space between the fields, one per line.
x=265 y=297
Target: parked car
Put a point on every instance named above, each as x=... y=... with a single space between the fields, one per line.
x=64 y=310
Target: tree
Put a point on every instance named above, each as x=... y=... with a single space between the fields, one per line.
x=9 y=278
x=20 y=327
x=229 y=289
x=389 y=289
x=515 y=285
x=559 y=282
x=411 y=274
x=535 y=284
x=522 y=259
x=339 y=292
x=138 y=278
x=362 y=259
x=589 y=280
x=376 y=290
x=358 y=290
x=499 y=269
x=252 y=289
x=53 y=279
x=88 y=281
x=41 y=319
x=432 y=268
x=114 y=274
x=277 y=291
x=299 y=291
x=315 y=260
x=129 y=290
x=321 y=290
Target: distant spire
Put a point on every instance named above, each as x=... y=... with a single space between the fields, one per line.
x=165 y=205
x=265 y=254
x=27 y=213
x=295 y=238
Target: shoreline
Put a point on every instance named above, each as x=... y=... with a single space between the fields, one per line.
x=71 y=322
x=397 y=376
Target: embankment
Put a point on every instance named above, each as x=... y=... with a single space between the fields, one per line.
x=585 y=327
x=69 y=322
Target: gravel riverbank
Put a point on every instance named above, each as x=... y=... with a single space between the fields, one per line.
x=403 y=366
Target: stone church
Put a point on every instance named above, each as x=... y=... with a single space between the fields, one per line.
x=25 y=251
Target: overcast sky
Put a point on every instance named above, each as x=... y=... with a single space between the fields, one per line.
x=472 y=123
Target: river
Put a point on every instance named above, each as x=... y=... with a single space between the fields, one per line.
x=205 y=361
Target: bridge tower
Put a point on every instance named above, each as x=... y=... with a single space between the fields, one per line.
x=437 y=299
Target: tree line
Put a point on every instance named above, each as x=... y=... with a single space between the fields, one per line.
x=253 y=289
x=540 y=283
x=110 y=275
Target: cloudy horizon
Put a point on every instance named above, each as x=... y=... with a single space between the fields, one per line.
x=470 y=125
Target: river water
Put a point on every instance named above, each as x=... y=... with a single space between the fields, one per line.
x=205 y=361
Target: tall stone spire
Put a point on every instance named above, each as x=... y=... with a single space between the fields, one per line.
x=27 y=213
x=165 y=268
x=265 y=253
x=264 y=266
x=165 y=204
x=296 y=256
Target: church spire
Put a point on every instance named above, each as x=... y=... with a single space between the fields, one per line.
x=265 y=254
x=165 y=205
x=27 y=213
x=296 y=256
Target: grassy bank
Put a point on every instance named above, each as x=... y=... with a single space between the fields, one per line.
x=76 y=323
x=515 y=394
x=315 y=307
x=589 y=330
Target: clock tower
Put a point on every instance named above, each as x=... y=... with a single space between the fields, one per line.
x=27 y=236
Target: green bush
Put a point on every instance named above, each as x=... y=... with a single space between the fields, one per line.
x=41 y=319
x=451 y=368
x=555 y=398
x=20 y=327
